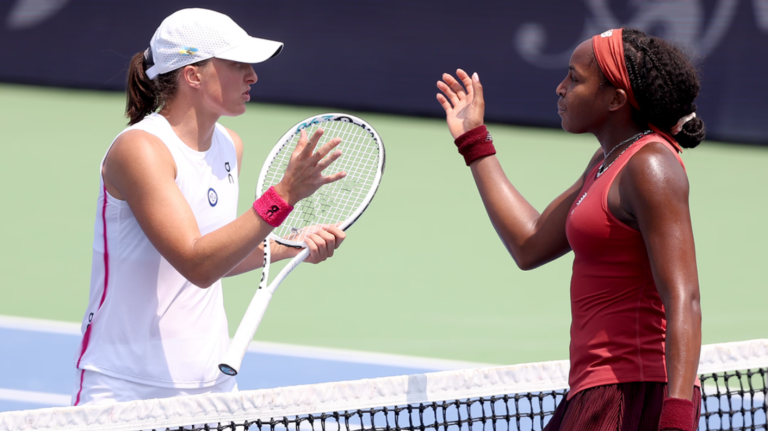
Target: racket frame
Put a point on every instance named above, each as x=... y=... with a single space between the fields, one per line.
x=287 y=138
x=230 y=364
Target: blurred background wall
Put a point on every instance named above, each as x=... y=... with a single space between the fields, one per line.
x=386 y=56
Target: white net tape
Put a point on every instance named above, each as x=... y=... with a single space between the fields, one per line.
x=392 y=391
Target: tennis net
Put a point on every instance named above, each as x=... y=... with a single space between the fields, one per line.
x=517 y=397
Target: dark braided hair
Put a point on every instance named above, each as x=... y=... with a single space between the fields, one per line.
x=665 y=85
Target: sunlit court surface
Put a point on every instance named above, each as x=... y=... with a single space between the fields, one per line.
x=433 y=283
x=422 y=319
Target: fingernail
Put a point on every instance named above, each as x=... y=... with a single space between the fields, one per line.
x=476 y=77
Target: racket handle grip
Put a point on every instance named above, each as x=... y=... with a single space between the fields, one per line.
x=230 y=364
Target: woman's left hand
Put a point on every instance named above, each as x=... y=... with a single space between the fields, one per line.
x=321 y=244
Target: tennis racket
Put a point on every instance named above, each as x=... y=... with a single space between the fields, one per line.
x=339 y=203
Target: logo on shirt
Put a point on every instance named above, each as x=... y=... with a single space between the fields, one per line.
x=579 y=201
x=213 y=198
x=229 y=175
x=581 y=198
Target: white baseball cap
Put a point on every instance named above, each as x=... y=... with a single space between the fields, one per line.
x=192 y=35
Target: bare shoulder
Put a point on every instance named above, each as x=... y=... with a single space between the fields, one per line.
x=137 y=155
x=654 y=172
x=137 y=147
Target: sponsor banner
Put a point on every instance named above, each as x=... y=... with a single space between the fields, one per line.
x=387 y=55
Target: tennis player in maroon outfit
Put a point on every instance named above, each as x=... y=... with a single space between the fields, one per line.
x=636 y=321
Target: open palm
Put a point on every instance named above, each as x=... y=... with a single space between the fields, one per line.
x=463 y=102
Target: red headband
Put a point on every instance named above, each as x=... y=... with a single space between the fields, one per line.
x=609 y=52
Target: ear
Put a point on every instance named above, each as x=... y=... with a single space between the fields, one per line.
x=618 y=100
x=191 y=76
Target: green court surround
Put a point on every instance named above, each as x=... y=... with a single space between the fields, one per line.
x=423 y=272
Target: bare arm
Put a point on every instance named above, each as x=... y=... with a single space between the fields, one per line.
x=654 y=189
x=532 y=239
x=321 y=245
x=140 y=170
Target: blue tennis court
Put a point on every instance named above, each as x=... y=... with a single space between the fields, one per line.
x=37 y=369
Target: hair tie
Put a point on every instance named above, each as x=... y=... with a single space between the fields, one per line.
x=679 y=126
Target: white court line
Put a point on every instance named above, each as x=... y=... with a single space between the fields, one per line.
x=42 y=398
x=359 y=357
x=330 y=354
x=40 y=325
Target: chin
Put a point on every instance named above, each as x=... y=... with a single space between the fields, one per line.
x=570 y=128
x=236 y=111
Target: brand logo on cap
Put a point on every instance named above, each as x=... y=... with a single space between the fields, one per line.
x=188 y=51
x=608 y=33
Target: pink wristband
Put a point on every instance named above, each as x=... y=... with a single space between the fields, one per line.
x=475 y=144
x=677 y=413
x=272 y=208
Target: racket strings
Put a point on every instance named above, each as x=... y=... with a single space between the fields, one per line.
x=334 y=202
x=350 y=192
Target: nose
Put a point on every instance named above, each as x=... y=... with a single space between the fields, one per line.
x=251 y=77
x=560 y=90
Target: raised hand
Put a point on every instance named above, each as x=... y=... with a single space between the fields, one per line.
x=304 y=174
x=463 y=102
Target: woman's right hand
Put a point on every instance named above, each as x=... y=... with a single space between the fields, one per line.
x=304 y=174
x=464 y=104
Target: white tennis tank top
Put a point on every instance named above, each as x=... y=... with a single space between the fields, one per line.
x=145 y=322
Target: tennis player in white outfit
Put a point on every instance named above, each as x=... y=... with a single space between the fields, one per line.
x=166 y=227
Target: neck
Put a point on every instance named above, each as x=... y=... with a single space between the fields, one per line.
x=193 y=125
x=615 y=128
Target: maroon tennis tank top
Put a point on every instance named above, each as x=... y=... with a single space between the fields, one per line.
x=618 y=324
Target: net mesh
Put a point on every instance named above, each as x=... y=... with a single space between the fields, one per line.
x=518 y=397
x=335 y=202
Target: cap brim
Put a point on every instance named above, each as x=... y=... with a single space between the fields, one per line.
x=252 y=50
